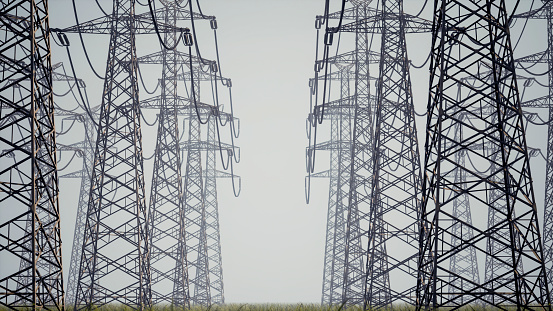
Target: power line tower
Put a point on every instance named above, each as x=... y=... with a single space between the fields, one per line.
x=463 y=261
x=548 y=214
x=354 y=78
x=166 y=213
x=114 y=264
x=346 y=254
x=85 y=176
x=545 y=57
x=396 y=184
x=464 y=43
x=197 y=277
x=340 y=114
x=30 y=226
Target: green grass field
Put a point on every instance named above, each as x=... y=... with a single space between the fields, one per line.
x=269 y=307
x=279 y=307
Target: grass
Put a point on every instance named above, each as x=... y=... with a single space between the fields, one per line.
x=266 y=307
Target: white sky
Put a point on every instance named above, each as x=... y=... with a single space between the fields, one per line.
x=272 y=241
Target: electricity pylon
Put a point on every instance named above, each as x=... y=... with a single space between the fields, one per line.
x=396 y=180
x=184 y=223
x=463 y=261
x=545 y=57
x=548 y=213
x=166 y=213
x=85 y=176
x=500 y=181
x=340 y=114
x=114 y=263
x=360 y=208
x=30 y=226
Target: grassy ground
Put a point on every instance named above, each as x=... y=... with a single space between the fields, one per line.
x=279 y=307
x=266 y=307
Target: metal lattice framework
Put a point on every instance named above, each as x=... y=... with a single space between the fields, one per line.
x=84 y=191
x=166 y=212
x=114 y=263
x=184 y=218
x=30 y=252
x=548 y=215
x=347 y=261
x=360 y=170
x=545 y=57
x=467 y=36
x=340 y=115
x=396 y=184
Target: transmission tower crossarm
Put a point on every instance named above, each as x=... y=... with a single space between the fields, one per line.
x=540 y=102
x=373 y=24
x=349 y=58
x=540 y=58
x=205 y=145
x=330 y=145
x=322 y=174
x=103 y=25
x=179 y=58
x=350 y=14
x=179 y=15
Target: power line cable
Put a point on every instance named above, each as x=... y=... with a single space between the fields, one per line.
x=156 y=27
x=82 y=41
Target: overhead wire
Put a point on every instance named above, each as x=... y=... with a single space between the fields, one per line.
x=82 y=41
x=70 y=160
x=142 y=81
x=524 y=27
x=156 y=28
x=216 y=96
x=101 y=8
x=85 y=107
x=313 y=129
x=62 y=132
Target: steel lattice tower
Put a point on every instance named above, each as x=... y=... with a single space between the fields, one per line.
x=465 y=37
x=351 y=260
x=213 y=238
x=185 y=107
x=114 y=265
x=85 y=175
x=166 y=213
x=546 y=13
x=548 y=215
x=463 y=261
x=340 y=114
x=396 y=182
x=30 y=229
x=361 y=169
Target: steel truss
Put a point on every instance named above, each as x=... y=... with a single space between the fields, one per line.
x=545 y=57
x=87 y=147
x=340 y=113
x=30 y=238
x=396 y=184
x=114 y=263
x=346 y=261
x=464 y=40
x=166 y=212
x=184 y=218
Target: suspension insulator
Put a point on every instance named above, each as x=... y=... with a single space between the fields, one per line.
x=63 y=39
x=187 y=37
x=329 y=37
x=213 y=67
x=318 y=22
x=213 y=24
